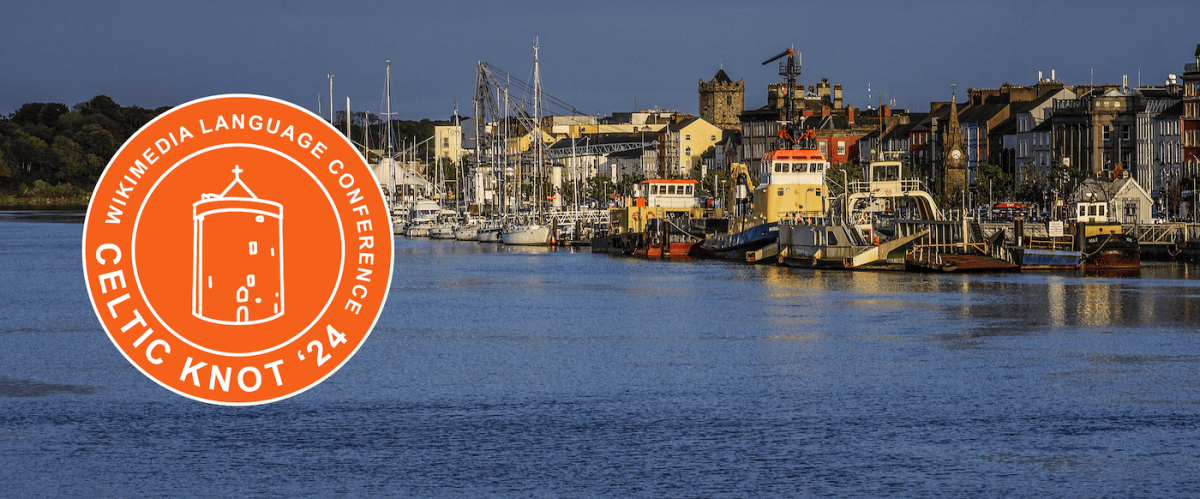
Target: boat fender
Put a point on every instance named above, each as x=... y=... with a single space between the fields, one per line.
x=656 y=241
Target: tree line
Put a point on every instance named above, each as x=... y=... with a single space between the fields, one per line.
x=49 y=150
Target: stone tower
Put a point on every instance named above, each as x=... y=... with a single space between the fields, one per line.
x=722 y=100
x=954 y=174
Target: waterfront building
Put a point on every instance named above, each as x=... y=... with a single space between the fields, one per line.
x=680 y=146
x=724 y=152
x=920 y=143
x=564 y=127
x=1033 y=158
x=1043 y=157
x=641 y=163
x=612 y=154
x=1002 y=144
x=1190 y=124
x=977 y=121
x=1158 y=156
x=895 y=143
x=448 y=140
x=1096 y=130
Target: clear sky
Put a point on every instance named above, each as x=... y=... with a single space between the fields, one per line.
x=597 y=56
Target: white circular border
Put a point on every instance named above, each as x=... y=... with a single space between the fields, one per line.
x=88 y=283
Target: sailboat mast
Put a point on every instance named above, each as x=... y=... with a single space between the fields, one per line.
x=459 y=188
x=516 y=178
x=537 y=124
x=390 y=148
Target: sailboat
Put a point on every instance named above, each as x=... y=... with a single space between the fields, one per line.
x=533 y=232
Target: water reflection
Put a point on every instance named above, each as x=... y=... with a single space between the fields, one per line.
x=64 y=215
x=563 y=373
x=1056 y=300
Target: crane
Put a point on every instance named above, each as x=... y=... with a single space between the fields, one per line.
x=789 y=133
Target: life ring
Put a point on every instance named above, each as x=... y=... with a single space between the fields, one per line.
x=649 y=215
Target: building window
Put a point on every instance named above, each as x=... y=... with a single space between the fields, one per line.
x=841 y=148
x=687 y=137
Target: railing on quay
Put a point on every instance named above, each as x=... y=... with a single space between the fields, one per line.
x=585 y=216
x=905 y=185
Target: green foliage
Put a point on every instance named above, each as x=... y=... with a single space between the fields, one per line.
x=598 y=187
x=625 y=185
x=43 y=189
x=711 y=184
x=839 y=176
x=62 y=151
x=992 y=181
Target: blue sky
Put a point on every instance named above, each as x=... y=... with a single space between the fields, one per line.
x=596 y=56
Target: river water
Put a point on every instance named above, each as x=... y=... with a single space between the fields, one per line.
x=498 y=371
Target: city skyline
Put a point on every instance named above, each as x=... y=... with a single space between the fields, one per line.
x=601 y=58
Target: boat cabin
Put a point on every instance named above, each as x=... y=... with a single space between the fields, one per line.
x=663 y=199
x=667 y=193
x=1090 y=212
x=789 y=166
x=794 y=183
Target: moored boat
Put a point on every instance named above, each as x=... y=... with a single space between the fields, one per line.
x=792 y=184
x=531 y=234
x=663 y=219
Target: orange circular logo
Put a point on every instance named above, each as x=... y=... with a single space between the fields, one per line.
x=238 y=250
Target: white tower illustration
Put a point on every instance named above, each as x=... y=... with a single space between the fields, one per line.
x=237 y=256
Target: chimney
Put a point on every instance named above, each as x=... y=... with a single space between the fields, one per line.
x=825 y=111
x=850 y=114
x=1040 y=77
x=1052 y=78
x=823 y=89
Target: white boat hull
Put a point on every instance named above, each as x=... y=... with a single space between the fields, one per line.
x=441 y=232
x=470 y=233
x=527 y=235
x=489 y=235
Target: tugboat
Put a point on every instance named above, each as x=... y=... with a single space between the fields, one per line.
x=792 y=182
x=664 y=219
x=792 y=185
x=1102 y=242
